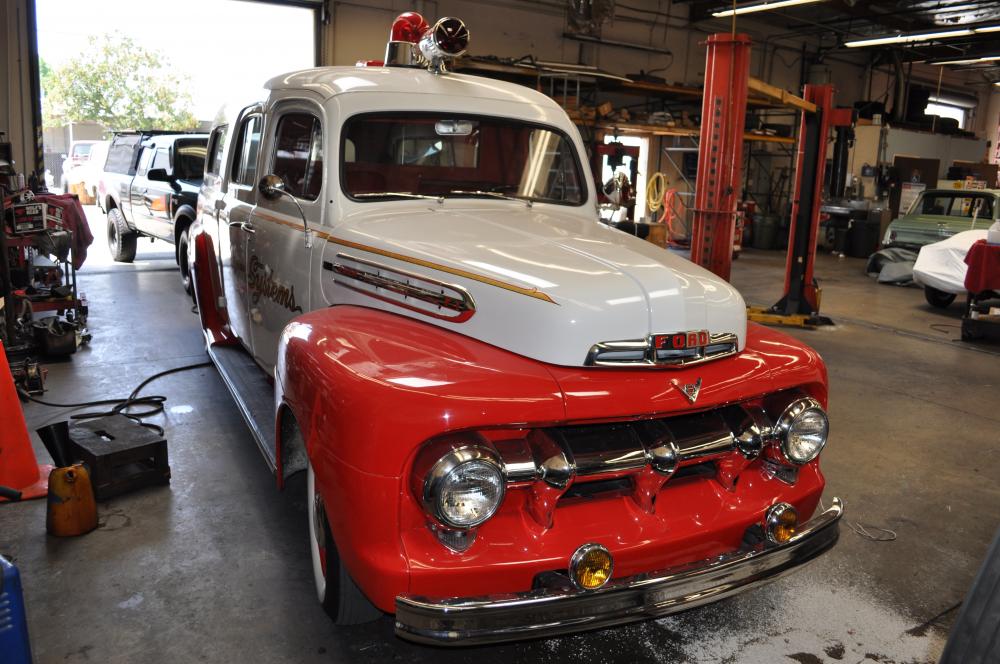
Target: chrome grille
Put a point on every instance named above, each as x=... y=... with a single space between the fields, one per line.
x=641 y=353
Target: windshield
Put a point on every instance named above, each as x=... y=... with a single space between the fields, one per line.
x=957 y=205
x=420 y=154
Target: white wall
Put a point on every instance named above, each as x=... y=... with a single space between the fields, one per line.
x=513 y=28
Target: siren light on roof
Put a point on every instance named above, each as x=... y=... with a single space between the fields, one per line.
x=415 y=43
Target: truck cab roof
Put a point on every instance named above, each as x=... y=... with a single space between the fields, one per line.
x=329 y=82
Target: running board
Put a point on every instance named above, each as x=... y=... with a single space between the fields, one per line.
x=254 y=395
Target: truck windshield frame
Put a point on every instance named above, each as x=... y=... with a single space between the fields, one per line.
x=451 y=155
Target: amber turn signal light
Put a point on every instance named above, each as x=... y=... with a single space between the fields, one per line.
x=590 y=567
x=780 y=523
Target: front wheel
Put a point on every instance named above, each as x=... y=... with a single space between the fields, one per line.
x=938 y=298
x=341 y=598
x=122 y=240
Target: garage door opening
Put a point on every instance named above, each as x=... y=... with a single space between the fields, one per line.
x=163 y=65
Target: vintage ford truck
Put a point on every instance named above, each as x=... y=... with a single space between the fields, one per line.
x=514 y=421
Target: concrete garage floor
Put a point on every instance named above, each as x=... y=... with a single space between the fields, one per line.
x=215 y=567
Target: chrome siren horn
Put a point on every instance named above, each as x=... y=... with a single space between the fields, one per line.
x=447 y=40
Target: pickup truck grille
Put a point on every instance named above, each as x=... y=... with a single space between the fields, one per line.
x=641 y=353
x=636 y=458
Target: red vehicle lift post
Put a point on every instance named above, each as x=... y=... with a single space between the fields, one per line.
x=720 y=151
x=799 y=303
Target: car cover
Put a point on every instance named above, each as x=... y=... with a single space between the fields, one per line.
x=892 y=265
x=942 y=265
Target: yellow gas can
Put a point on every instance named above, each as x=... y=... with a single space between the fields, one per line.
x=72 y=510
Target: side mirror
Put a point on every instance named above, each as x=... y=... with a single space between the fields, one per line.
x=158 y=175
x=271 y=186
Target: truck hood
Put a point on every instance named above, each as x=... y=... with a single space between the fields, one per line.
x=544 y=283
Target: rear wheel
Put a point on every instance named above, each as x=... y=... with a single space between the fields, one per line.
x=183 y=262
x=938 y=298
x=341 y=598
x=121 y=239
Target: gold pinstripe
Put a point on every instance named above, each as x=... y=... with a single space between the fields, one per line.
x=530 y=292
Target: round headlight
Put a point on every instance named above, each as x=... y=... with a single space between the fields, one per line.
x=804 y=429
x=464 y=488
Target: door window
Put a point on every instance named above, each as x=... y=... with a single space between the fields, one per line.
x=189 y=158
x=247 y=146
x=144 y=159
x=161 y=160
x=218 y=142
x=298 y=154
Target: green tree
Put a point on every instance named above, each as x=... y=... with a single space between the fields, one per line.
x=119 y=84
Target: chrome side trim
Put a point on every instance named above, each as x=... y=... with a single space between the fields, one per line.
x=444 y=296
x=559 y=609
x=642 y=353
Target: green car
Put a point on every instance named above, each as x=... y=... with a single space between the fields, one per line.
x=940 y=213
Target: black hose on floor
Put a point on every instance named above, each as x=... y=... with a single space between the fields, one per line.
x=153 y=402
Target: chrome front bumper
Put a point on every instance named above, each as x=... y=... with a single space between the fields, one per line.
x=553 y=611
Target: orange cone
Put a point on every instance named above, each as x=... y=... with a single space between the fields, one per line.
x=19 y=470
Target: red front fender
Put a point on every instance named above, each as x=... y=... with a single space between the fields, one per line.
x=367 y=388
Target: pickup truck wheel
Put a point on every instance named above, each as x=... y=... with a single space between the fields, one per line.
x=341 y=598
x=938 y=298
x=121 y=240
x=183 y=263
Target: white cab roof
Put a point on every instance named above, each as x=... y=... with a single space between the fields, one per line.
x=331 y=81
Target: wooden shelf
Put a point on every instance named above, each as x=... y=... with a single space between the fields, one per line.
x=608 y=82
x=661 y=130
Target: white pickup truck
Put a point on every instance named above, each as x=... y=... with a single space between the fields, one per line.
x=149 y=188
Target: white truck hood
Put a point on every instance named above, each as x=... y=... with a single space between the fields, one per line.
x=546 y=284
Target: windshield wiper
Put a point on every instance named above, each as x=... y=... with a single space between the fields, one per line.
x=492 y=194
x=399 y=194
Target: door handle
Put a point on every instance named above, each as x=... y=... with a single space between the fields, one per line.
x=245 y=226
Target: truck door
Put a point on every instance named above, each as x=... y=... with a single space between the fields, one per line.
x=155 y=212
x=279 y=256
x=236 y=223
x=137 y=212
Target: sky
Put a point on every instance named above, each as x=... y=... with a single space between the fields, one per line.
x=227 y=48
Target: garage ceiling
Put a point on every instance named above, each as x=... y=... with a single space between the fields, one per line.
x=837 y=21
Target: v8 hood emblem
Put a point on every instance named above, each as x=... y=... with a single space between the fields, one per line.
x=690 y=390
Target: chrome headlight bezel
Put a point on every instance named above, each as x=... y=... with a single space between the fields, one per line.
x=793 y=412
x=444 y=467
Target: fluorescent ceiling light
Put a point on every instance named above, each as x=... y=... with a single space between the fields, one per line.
x=925 y=36
x=762 y=7
x=966 y=61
